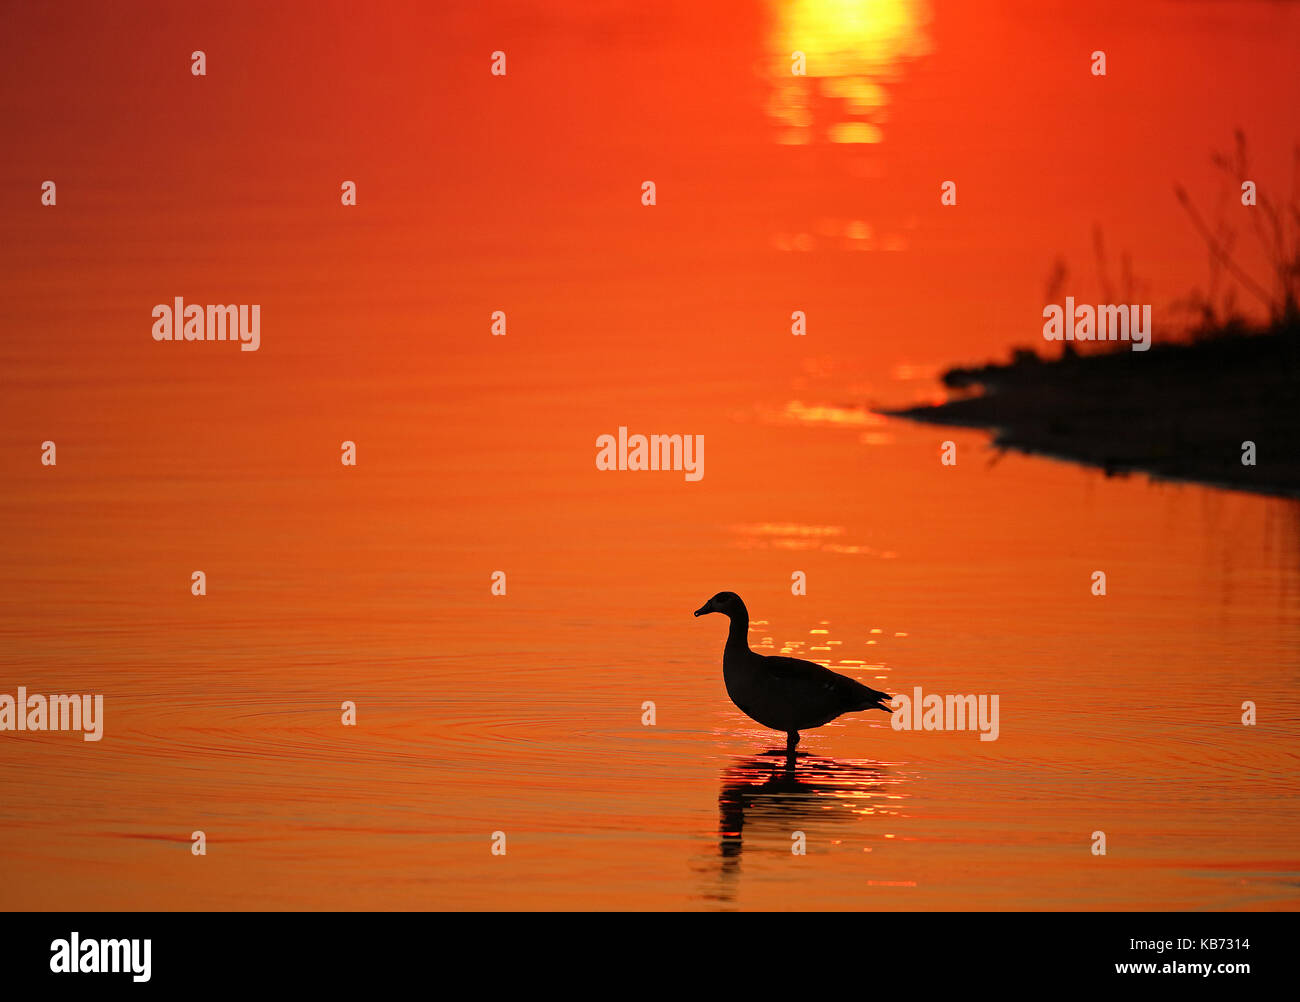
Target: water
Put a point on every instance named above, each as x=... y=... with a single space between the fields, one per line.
x=522 y=714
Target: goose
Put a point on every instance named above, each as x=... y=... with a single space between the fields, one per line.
x=785 y=694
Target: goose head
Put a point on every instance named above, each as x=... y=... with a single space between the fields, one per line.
x=726 y=602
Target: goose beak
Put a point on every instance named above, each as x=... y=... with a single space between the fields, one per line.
x=703 y=609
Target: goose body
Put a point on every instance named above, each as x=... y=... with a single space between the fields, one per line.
x=785 y=694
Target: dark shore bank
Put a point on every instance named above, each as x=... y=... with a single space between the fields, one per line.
x=1178 y=411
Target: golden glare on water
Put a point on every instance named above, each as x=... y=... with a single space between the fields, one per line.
x=828 y=414
x=851 y=51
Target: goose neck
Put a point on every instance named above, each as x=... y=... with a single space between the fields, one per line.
x=738 y=634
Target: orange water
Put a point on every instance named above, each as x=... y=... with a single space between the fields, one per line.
x=522 y=714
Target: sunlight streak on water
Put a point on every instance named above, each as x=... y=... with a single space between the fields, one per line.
x=854 y=50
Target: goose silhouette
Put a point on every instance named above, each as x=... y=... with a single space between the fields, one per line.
x=785 y=694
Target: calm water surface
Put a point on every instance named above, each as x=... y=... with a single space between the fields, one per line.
x=522 y=714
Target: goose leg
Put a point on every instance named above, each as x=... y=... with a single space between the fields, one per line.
x=791 y=739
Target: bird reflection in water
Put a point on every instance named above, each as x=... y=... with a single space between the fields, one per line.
x=771 y=795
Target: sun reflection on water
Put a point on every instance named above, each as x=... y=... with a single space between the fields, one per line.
x=852 y=51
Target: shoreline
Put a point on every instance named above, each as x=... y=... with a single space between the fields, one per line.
x=1180 y=412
